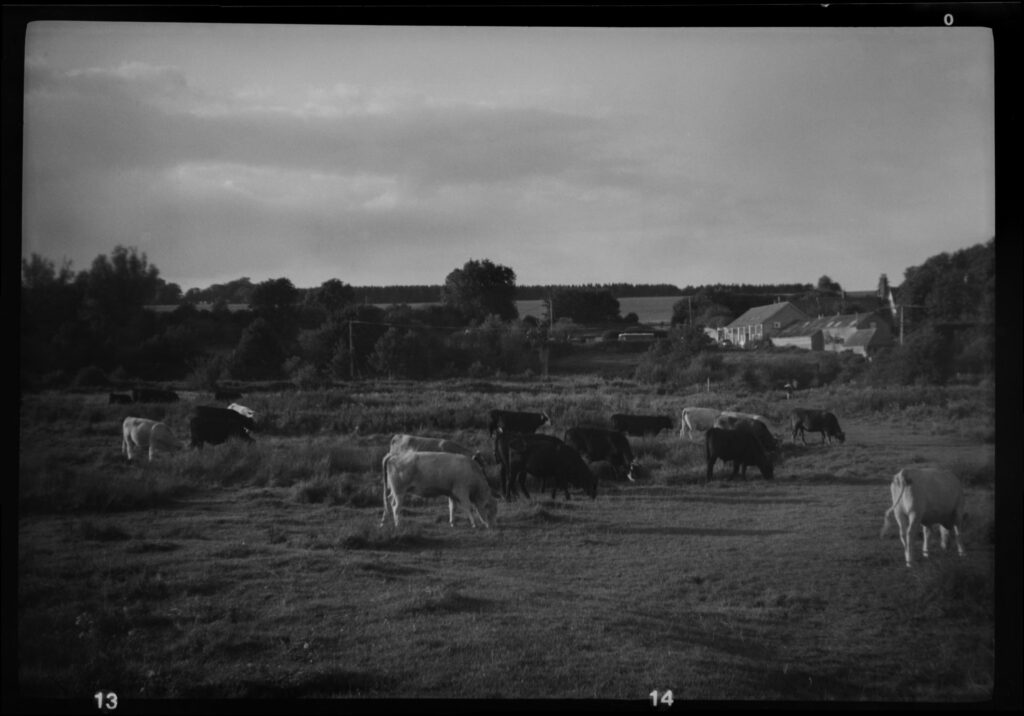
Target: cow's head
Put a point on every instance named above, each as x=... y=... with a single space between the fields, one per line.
x=635 y=470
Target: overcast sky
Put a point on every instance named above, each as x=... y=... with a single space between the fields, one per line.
x=393 y=155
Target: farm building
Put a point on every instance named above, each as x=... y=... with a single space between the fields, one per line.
x=861 y=333
x=762 y=322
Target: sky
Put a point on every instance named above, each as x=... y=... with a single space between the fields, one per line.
x=390 y=155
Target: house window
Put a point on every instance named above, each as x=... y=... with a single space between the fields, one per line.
x=777 y=324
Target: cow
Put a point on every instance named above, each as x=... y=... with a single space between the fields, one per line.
x=119 y=399
x=508 y=450
x=149 y=435
x=153 y=395
x=226 y=394
x=242 y=410
x=415 y=443
x=556 y=464
x=925 y=496
x=432 y=474
x=757 y=428
x=816 y=421
x=597 y=444
x=512 y=421
x=739 y=446
x=214 y=425
x=697 y=420
x=640 y=425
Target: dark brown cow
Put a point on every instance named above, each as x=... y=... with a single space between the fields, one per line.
x=738 y=446
x=815 y=421
x=640 y=425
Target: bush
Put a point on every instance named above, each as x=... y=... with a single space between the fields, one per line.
x=90 y=376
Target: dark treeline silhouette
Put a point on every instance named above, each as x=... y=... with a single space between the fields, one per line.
x=95 y=327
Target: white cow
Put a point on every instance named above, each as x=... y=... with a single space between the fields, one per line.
x=696 y=421
x=926 y=496
x=242 y=410
x=433 y=474
x=144 y=434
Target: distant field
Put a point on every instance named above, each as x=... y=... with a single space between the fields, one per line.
x=259 y=571
x=652 y=309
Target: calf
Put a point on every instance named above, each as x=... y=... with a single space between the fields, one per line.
x=509 y=448
x=215 y=425
x=432 y=474
x=926 y=496
x=512 y=421
x=149 y=435
x=597 y=444
x=741 y=447
x=696 y=420
x=556 y=464
x=640 y=425
x=816 y=421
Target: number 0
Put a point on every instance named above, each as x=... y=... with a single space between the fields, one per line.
x=948 y=19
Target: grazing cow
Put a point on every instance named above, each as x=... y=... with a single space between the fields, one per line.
x=697 y=420
x=756 y=427
x=119 y=399
x=816 y=421
x=508 y=450
x=433 y=474
x=640 y=425
x=512 y=421
x=149 y=435
x=153 y=395
x=214 y=425
x=415 y=443
x=226 y=395
x=926 y=496
x=739 y=446
x=597 y=444
x=242 y=410
x=556 y=464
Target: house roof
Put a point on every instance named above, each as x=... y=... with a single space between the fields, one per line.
x=763 y=314
x=805 y=328
x=868 y=337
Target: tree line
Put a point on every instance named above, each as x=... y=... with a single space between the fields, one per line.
x=93 y=325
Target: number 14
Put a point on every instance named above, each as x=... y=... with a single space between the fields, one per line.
x=664 y=699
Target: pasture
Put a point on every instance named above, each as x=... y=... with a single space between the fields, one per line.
x=259 y=571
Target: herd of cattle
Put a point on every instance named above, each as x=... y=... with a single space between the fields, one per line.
x=432 y=467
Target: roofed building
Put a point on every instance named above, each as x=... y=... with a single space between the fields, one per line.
x=861 y=333
x=762 y=322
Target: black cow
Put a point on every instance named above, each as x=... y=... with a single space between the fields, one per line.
x=640 y=425
x=226 y=395
x=557 y=465
x=512 y=421
x=214 y=425
x=754 y=427
x=600 y=444
x=508 y=451
x=816 y=421
x=153 y=395
x=739 y=446
x=120 y=398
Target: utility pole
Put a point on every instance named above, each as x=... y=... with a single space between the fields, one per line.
x=351 y=354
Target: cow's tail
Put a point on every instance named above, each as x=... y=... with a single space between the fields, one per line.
x=887 y=521
x=384 y=485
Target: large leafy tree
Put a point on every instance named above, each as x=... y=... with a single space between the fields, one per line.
x=481 y=289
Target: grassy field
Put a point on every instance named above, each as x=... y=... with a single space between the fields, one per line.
x=260 y=571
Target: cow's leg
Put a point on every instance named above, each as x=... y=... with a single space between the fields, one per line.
x=396 y=506
x=909 y=543
x=959 y=544
x=926 y=532
x=710 y=471
x=451 y=513
x=521 y=481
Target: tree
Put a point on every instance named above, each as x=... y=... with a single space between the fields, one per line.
x=827 y=285
x=585 y=305
x=259 y=354
x=331 y=296
x=117 y=288
x=480 y=289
